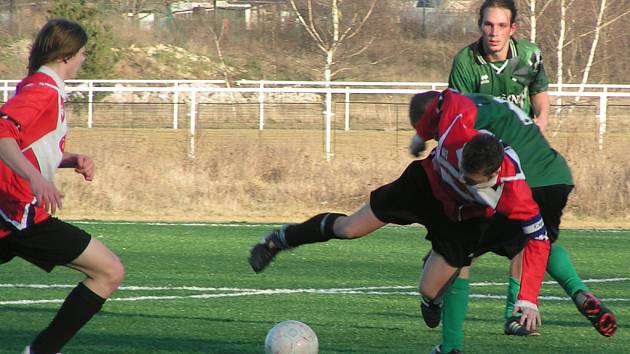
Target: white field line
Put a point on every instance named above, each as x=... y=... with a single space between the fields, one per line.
x=220 y=292
x=96 y=222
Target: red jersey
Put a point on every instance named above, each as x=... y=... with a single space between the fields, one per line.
x=509 y=196
x=35 y=118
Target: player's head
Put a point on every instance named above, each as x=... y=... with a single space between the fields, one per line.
x=419 y=104
x=497 y=23
x=59 y=40
x=481 y=160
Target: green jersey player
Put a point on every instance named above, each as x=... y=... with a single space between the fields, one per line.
x=502 y=66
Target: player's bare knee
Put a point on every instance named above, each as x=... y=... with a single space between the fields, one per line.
x=428 y=291
x=346 y=230
x=112 y=275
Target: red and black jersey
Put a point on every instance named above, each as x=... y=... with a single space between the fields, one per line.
x=509 y=196
x=35 y=118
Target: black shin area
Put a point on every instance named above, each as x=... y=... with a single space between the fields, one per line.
x=319 y=228
x=80 y=305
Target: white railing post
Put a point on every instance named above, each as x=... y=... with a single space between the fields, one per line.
x=347 y=110
x=6 y=91
x=193 y=111
x=175 y=104
x=328 y=114
x=603 y=102
x=261 y=106
x=193 y=119
x=90 y=104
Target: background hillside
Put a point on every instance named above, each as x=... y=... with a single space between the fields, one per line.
x=153 y=39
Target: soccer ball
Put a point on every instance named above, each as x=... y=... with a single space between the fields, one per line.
x=291 y=337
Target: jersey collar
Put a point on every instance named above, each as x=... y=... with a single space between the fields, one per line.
x=58 y=82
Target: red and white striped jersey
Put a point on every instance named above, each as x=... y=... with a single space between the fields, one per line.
x=35 y=118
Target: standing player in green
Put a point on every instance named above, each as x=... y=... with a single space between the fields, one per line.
x=502 y=66
x=550 y=179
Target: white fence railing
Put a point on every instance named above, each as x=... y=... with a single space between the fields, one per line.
x=260 y=89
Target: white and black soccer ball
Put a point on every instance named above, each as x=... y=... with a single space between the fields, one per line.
x=291 y=337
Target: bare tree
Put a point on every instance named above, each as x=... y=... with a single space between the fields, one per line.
x=217 y=38
x=599 y=27
x=331 y=36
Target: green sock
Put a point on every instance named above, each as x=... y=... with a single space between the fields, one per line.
x=454 y=306
x=514 y=286
x=561 y=270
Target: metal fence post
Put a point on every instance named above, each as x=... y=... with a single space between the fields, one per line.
x=328 y=114
x=175 y=104
x=90 y=104
x=261 y=106
x=347 y=110
x=603 y=102
x=193 y=118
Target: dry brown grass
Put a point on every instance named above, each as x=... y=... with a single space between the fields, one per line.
x=282 y=175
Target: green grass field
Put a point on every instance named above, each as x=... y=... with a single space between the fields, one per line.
x=189 y=289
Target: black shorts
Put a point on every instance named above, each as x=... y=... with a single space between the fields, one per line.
x=551 y=202
x=47 y=244
x=409 y=199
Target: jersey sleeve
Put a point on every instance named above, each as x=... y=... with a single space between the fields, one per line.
x=535 y=256
x=29 y=105
x=540 y=83
x=461 y=77
x=517 y=203
x=9 y=128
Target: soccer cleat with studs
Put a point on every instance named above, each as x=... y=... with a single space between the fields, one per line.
x=604 y=320
x=431 y=312
x=264 y=252
x=514 y=328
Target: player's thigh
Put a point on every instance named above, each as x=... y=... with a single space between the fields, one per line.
x=98 y=261
x=47 y=244
x=436 y=275
x=358 y=224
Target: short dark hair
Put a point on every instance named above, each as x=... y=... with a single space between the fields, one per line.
x=482 y=154
x=504 y=4
x=419 y=104
x=58 y=39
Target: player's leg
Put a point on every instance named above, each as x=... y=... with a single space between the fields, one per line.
x=395 y=202
x=320 y=228
x=552 y=200
x=454 y=308
x=514 y=285
x=445 y=291
x=104 y=273
x=52 y=243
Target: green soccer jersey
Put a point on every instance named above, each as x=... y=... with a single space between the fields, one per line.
x=515 y=79
x=543 y=166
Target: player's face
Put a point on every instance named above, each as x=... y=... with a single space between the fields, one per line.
x=75 y=63
x=479 y=180
x=496 y=30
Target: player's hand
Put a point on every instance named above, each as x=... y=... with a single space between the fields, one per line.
x=530 y=317
x=417 y=145
x=46 y=194
x=85 y=167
